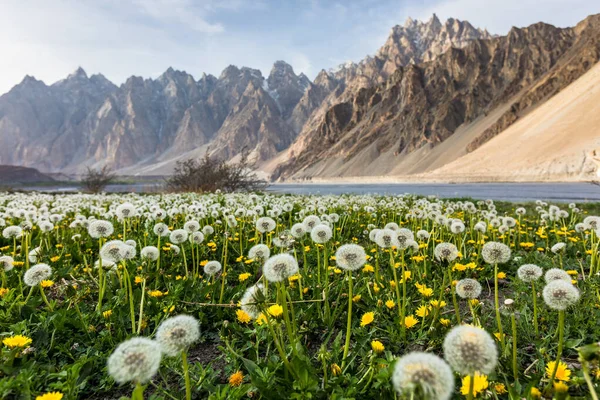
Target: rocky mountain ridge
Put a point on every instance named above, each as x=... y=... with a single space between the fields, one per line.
x=421 y=105
x=429 y=82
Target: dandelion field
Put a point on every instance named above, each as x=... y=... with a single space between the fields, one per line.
x=234 y=296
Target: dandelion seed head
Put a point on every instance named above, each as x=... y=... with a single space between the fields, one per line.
x=280 y=267
x=469 y=349
x=495 y=253
x=7 y=263
x=212 y=267
x=559 y=295
x=135 y=360
x=150 y=253
x=321 y=233
x=427 y=372
x=529 y=273
x=36 y=274
x=445 y=252
x=468 y=288
x=177 y=334
x=350 y=257
x=100 y=229
x=259 y=252
x=554 y=274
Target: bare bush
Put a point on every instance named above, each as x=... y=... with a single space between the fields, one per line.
x=95 y=180
x=210 y=174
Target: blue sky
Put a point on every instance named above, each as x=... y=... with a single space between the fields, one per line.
x=119 y=38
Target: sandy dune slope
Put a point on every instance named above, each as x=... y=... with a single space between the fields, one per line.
x=560 y=140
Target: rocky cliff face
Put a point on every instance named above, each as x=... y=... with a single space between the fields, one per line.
x=421 y=105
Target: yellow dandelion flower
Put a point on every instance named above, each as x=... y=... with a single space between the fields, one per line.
x=437 y=303
x=445 y=322
x=242 y=316
x=236 y=379
x=50 y=396
x=561 y=387
x=535 y=393
x=390 y=304
x=261 y=319
x=4 y=291
x=368 y=268
x=367 y=318
x=410 y=321
x=46 y=283
x=275 y=310
x=563 y=373
x=422 y=311
x=479 y=386
x=501 y=275
x=499 y=388
x=244 y=276
x=106 y=314
x=427 y=292
x=356 y=298
x=19 y=341
x=335 y=369
x=377 y=346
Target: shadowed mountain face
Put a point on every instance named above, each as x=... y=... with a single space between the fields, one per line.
x=427 y=80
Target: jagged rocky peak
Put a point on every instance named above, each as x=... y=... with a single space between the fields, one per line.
x=79 y=73
x=286 y=87
x=418 y=41
x=325 y=80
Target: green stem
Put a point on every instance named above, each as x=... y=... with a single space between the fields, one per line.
x=535 y=319
x=514 y=346
x=45 y=299
x=497 y=306
x=349 y=321
x=561 y=334
x=139 y=329
x=588 y=381
x=471 y=387
x=186 y=375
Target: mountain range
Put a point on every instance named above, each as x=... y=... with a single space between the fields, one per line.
x=435 y=93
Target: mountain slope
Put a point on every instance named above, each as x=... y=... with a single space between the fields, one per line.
x=557 y=141
x=421 y=106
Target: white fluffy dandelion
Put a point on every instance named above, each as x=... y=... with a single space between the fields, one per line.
x=251 y=300
x=6 y=263
x=135 y=360
x=559 y=295
x=259 y=252
x=321 y=234
x=445 y=252
x=280 y=267
x=177 y=334
x=424 y=373
x=468 y=288
x=529 y=273
x=469 y=349
x=265 y=224
x=178 y=236
x=495 y=253
x=149 y=253
x=212 y=267
x=557 y=274
x=350 y=257
x=36 y=274
x=100 y=229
